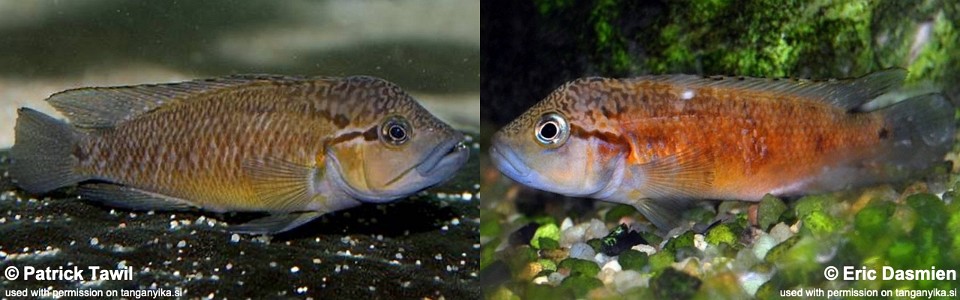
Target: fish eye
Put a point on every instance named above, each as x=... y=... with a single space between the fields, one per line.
x=395 y=131
x=552 y=130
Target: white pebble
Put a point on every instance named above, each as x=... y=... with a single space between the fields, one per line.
x=540 y=280
x=781 y=232
x=699 y=242
x=294 y=269
x=181 y=244
x=582 y=251
x=566 y=224
x=649 y=250
x=235 y=238
x=629 y=279
x=94 y=241
x=612 y=265
x=556 y=278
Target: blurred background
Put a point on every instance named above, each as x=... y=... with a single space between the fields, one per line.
x=430 y=48
x=531 y=47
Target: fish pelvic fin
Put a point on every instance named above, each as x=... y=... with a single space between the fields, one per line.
x=916 y=135
x=45 y=154
x=277 y=223
x=665 y=214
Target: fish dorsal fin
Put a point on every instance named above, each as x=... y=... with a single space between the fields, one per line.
x=99 y=107
x=846 y=93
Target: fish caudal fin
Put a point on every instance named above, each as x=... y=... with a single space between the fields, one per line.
x=43 y=156
x=922 y=132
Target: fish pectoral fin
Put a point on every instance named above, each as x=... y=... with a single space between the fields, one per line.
x=281 y=184
x=131 y=198
x=277 y=223
x=687 y=174
x=663 y=213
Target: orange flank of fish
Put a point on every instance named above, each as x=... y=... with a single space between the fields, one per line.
x=657 y=141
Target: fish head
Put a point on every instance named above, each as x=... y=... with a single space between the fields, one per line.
x=554 y=147
x=405 y=148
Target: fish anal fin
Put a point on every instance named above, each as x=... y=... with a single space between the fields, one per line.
x=276 y=223
x=131 y=198
x=281 y=184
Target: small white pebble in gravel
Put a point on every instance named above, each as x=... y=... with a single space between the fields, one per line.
x=229 y=266
x=438 y=256
x=235 y=238
x=781 y=232
x=467 y=196
x=763 y=244
x=567 y=223
x=273 y=264
x=455 y=221
x=699 y=242
x=418 y=262
x=294 y=269
x=399 y=255
x=540 y=280
x=582 y=251
x=649 y=250
x=555 y=278
x=181 y=244
x=317 y=261
x=629 y=279
x=94 y=241
x=601 y=258
x=612 y=265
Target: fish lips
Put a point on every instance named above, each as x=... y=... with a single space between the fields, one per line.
x=509 y=164
x=444 y=159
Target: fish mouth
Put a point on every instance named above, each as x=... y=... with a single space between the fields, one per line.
x=449 y=155
x=508 y=162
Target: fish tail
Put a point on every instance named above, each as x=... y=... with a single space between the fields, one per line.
x=43 y=156
x=921 y=132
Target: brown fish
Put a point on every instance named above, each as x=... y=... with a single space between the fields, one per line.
x=656 y=141
x=293 y=147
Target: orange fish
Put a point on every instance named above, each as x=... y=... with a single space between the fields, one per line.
x=293 y=147
x=655 y=142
